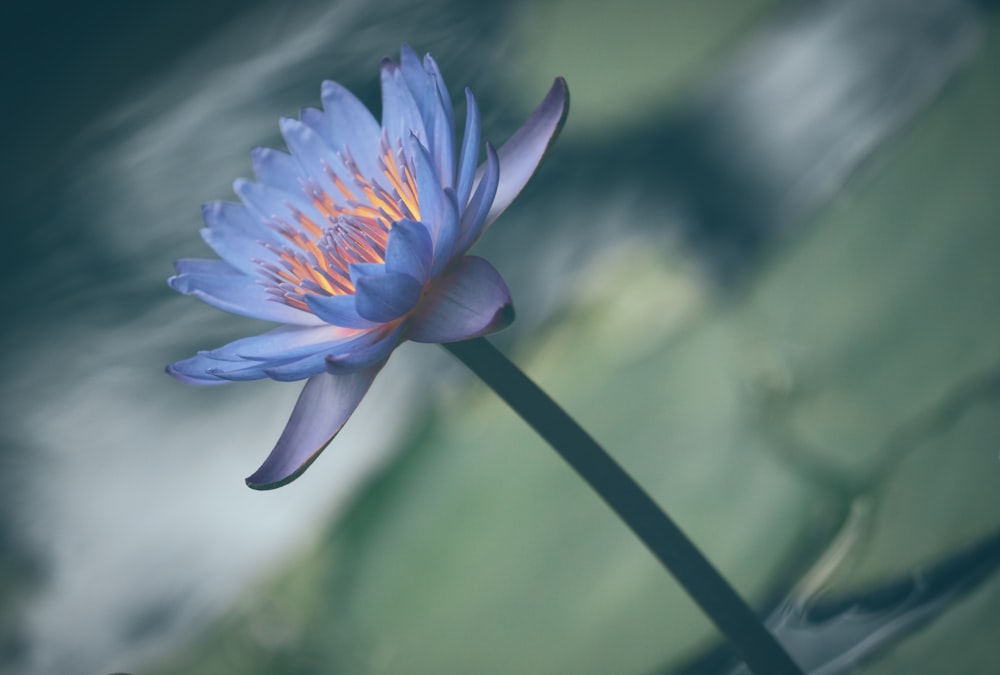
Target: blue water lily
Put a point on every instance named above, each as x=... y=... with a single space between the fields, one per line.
x=355 y=241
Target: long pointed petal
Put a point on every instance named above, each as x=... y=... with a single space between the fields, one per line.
x=470 y=300
x=325 y=404
x=520 y=155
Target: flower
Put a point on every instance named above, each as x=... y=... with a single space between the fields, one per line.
x=356 y=240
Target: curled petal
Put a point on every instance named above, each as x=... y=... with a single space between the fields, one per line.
x=470 y=300
x=194 y=370
x=275 y=168
x=349 y=360
x=474 y=218
x=469 y=156
x=520 y=155
x=386 y=297
x=324 y=405
x=338 y=310
x=409 y=250
x=236 y=293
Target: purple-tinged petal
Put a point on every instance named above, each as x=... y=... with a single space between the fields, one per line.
x=337 y=310
x=386 y=297
x=239 y=294
x=269 y=204
x=415 y=77
x=360 y=270
x=229 y=219
x=205 y=267
x=442 y=128
x=194 y=370
x=400 y=114
x=474 y=218
x=238 y=251
x=349 y=360
x=520 y=155
x=448 y=231
x=324 y=405
x=297 y=369
x=313 y=155
x=287 y=342
x=430 y=195
x=409 y=250
x=350 y=125
x=276 y=168
x=470 y=300
x=469 y=156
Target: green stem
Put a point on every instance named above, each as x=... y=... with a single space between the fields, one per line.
x=733 y=617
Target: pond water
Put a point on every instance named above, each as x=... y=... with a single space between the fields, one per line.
x=759 y=265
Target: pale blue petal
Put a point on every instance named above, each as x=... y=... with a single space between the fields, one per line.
x=520 y=155
x=470 y=300
x=287 y=342
x=239 y=294
x=349 y=124
x=349 y=360
x=448 y=231
x=469 y=157
x=400 y=114
x=325 y=404
x=409 y=250
x=474 y=218
x=386 y=297
x=276 y=168
x=338 y=310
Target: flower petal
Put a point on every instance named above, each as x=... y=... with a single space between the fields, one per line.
x=349 y=124
x=349 y=360
x=236 y=293
x=287 y=342
x=324 y=405
x=194 y=370
x=409 y=250
x=338 y=310
x=386 y=297
x=276 y=168
x=470 y=300
x=474 y=218
x=469 y=157
x=520 y=155
x=400 y=114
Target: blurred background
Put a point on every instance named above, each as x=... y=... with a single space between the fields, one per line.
x=760 y=265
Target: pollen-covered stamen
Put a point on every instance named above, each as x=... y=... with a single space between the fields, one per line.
x=354 y=227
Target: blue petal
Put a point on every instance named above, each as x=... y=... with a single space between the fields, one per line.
x=287 y=342
x=228 y=219
x=470 y=300
x=324 y=405
x=441 y=125
x=520 y=155
x=448 y=230
x=361 y=270
x=474 y=218
x=270 y=204
x=276 y=169
x=349 y=360
x=297 y=369
x=313 y=155
x=469 y=157
x=386 y=297
x=429 y=193
x=338 y=310
x=409 y=250
x=194 y=370
x=349 y=124
x=203 y=267
x=400 y=114
x=239 y=294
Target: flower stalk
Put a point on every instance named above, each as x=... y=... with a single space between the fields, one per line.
x=732 y=616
